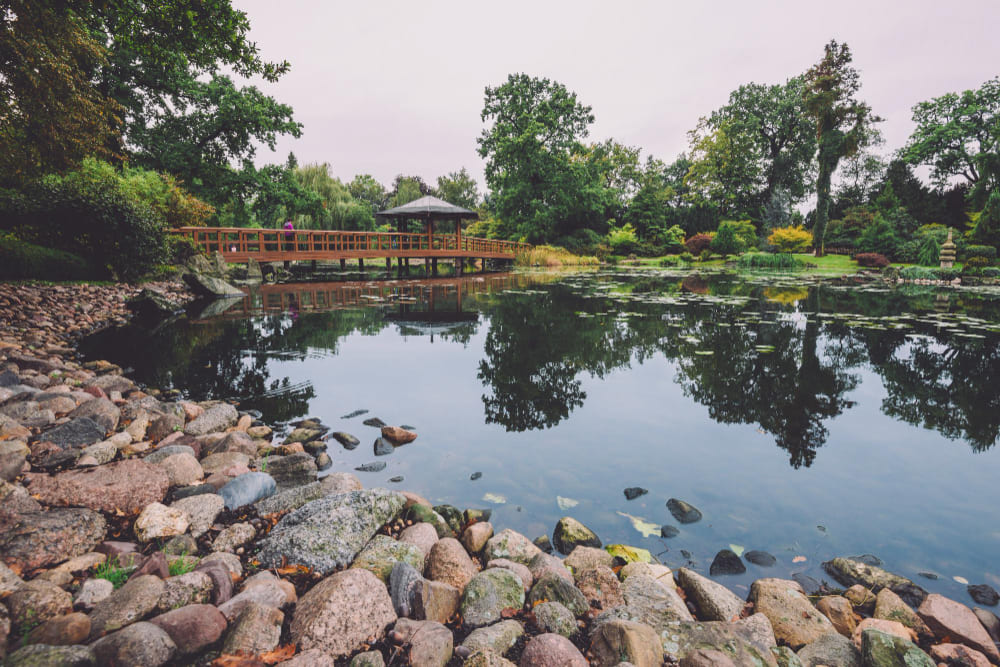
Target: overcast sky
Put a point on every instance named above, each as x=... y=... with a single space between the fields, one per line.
x=387 y=87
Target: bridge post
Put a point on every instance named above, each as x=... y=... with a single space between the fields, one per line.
x=343 y=265
x=434 y=265
x=361 y=264
x=388 y=264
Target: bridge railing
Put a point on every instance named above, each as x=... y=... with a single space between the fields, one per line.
x=249 y=241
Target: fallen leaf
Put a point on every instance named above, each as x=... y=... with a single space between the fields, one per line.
x=736 y=549
x=961 y=580
x=799 y=559
x=647 y=528
x=566 y=503
x=279 y=654
x=495 y=498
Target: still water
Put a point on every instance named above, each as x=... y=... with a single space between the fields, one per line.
x=805 y=418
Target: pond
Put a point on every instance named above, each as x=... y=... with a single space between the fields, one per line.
x=804 y=418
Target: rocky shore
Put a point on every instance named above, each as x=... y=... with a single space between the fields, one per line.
x=140 y=530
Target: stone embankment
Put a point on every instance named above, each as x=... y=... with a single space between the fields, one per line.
x=136 y=530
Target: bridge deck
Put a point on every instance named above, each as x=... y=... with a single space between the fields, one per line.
x=238 y=244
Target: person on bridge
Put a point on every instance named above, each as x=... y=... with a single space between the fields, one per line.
x=289 y=233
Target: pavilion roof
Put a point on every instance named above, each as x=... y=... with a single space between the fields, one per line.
x=429 y=208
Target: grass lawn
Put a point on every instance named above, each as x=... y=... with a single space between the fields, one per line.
x=828 y=264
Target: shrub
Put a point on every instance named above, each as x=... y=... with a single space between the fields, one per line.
x=790 y=239
x=929 y=253
x=917 y=273
x=623 y=240
x=545 y=255
x=763 y=260
x=879 y=238
x=698 y=243
x=705 y=255
x=20 y=260
x=726 y=241
x=872 y=260
x=670 y=260
x=976 y=262
x=987 y=252
x=96 y=220
x=686 y=257
x=947 y=274
x=990 y=272
x=744 y=230
x=672 y=239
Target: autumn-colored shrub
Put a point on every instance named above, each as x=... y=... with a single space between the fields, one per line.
x=697 y=243
x=790 y=239
x=872 y=260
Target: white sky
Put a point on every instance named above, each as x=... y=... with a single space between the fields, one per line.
x=388 y=87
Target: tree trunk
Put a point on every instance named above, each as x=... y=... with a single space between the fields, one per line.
x=826 y=167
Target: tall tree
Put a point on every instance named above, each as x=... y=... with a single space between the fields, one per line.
x=51 y=115
x=957 y=134
x=459 y=188
x=366 y=189
x=843 y=123
x=543 y=186
x=759 y=142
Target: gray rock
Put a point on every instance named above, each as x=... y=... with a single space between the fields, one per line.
x=347 y=440
x=139 y=644
x=879 y=649
x=625 y=641
x=830 y=649
x=216 y=418
x=499 y=637
x=39 y=539
x=12 y=456
x=263 y=588
x=404 y=580
x=550 y=650
x=512 y=546
x=290 y=499
x=649 y=601
x=714 y=601
x=328 y=533
x=161 y=453
x=383 y=447
x=850 y=572
x=989 y=621
x=103 y=412
x=731 y=639
x=202 y=510
x=133 y=602
x=247 y=489
x=374 y=466
x=292 y=470
x=785 y=657
x=35 y=602
x=79 y=432
x=555 y=588
x=366 y=659
x=209 y=286
x=254 y=631
x=554 y=617
x=185 y=589
x=40 y=655
x=382 y=553
x=488 y=594
x=727 y=562
x=192 y=628
x=92 y=591
x=233 y=537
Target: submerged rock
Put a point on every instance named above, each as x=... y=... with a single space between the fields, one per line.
x=633 y=492
x=347 y=440
x=850 y=572
x=374 y=466
x=683 y=512
x=727 y=562
x=760 y=558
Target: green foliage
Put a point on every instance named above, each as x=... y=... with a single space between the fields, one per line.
x=917 y=273
x=986 y=251
x=51 y=116
x=623 y=239
x=182 y=565
x=763 y=260
x=669 y=261
x=745 y=231
x=929 y=253
x=686 y=257
x=987 y=222
x=976 y=263
x=844 y=125
x=698 y=243
x=96 y=219
x=113 y=572
x=727 y=241
x=760 y=142
x=25 y=261
x=879 y=237
x=543 y=186
x=672 y=239
x=947 y=274
x=790 y=239
x=364 y=188
x=459 y=188
x=871 y=260
x=323 y=202
x=957 y=133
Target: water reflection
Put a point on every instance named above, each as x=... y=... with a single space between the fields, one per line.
x=785 y=357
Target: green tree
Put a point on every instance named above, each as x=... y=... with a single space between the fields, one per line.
x=760 y=142
x=620 y=170
x=543 y=187
x=957 y=134
x=338 y=209
x=726 y=241
x=365 y=188
x=51 y=116
x=459 y=188
x=281 y=195
x=843 y=124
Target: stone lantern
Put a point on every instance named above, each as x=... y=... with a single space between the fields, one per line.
x=948 y=252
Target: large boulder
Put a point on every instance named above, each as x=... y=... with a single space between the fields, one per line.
x=193 y=627
x=40 y=539
x=879 y=649
x=247 y=489
x=341 y=612
x=382 y=553
x=849 y=571
x=830 y=649
x=448 y=562
x=133 y=602
x=431 y=643
x=555 y=588
x=649 y=602
x=794 y=619
x=947 y=618
x=104 y=413
x=570 y=534
x=551 y=650
x=499 y=637
x=328 y=533
x=210 y=286
x=625 y=641
x=510 y=545
x=218 y=417
x=125 y=486
x=139 y=644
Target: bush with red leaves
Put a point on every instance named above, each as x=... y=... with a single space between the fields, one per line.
x=697 y=243
x=872 y=260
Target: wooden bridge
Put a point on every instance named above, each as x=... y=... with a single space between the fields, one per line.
x=240 y=244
